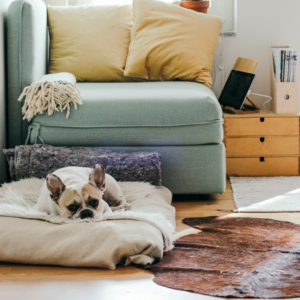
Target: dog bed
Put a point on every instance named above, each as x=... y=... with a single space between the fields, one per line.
x=139 y=235
x=40 y=160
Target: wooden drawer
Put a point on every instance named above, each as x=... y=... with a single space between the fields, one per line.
x=261 y=126
x=260 y=146
x=268 y=166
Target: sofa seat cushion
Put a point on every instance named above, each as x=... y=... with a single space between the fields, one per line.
x=136 y=113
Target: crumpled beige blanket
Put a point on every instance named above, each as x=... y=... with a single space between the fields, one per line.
x=53 y=92
x=137 y=236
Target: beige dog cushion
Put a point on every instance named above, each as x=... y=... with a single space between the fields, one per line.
x=139 y=235
x=90 y=42
x=169 y=42
x=101 y=245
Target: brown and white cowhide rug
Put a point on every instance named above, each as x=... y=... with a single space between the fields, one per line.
x=234 y=257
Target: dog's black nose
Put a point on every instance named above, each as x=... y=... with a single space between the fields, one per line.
x=86 y=214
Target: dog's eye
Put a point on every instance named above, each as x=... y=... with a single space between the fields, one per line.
x=72 y=208
x=94 y=203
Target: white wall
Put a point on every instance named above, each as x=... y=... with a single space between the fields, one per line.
x=260 y=25
x=3 y=8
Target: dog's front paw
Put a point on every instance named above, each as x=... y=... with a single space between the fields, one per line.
x=125 y=206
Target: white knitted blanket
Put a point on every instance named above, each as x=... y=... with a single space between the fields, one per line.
x=53 y=92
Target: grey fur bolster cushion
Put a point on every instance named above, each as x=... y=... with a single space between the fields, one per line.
x=40 y=160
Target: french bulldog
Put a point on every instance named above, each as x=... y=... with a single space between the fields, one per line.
x=80 y=193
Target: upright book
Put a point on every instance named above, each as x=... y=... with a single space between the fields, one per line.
x=285 y=64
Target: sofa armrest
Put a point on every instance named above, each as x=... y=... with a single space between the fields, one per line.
x=26 y=58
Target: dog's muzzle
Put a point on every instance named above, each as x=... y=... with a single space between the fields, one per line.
x=86 y=214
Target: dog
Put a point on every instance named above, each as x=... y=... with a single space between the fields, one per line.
x=80 y=193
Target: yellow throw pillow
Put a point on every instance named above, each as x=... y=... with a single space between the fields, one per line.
x=169 y=42
x=90 y=42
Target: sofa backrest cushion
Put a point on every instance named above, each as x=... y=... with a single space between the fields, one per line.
x=90 y=42
x=169 y=42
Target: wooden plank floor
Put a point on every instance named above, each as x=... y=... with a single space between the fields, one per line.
x=22 y=282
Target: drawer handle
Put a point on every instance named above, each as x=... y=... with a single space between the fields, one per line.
x=262 y=159
x=262 y=119
x=262 y=139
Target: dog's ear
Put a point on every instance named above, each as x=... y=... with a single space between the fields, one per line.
x=55 y=186
x=97 y=177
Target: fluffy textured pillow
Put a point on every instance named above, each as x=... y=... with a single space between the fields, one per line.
x=169 y=42
x=90 y=42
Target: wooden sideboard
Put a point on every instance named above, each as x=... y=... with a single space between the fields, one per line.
x=263 y=144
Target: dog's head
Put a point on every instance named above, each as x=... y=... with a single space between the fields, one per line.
x=84 y=202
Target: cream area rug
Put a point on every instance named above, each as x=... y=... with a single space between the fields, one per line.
x=266 y=194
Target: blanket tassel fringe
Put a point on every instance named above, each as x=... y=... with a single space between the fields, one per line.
x=49 y=97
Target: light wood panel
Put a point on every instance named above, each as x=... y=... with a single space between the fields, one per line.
x=271 y=166
x=260 y=114
x=260 y=146
x=284 y=96
x=261 y=126
x=245 y=65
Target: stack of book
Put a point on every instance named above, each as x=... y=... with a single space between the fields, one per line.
x=285 y=64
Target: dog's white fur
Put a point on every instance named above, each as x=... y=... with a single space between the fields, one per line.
x=75 y=179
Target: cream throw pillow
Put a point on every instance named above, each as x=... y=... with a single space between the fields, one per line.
x=169 y=42
x=90 y=42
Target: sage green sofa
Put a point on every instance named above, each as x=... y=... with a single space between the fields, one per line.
x=181 y=120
